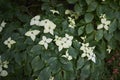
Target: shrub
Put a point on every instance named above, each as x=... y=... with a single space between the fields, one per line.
x=58 y=39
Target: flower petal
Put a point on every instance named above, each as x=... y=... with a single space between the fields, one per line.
x=100 y=26
x=45 y=45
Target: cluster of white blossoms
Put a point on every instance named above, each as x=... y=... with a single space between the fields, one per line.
x=88 y=52
x=9 y=42
x=63 y=42
x=71 y=20
x=2 y=25
x=69 y=57
x=3 y=65
x=49 y=26
x=104 y=22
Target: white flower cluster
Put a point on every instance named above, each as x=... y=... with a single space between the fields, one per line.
x=3 y=65
x=49 y=26
x=88 y=52
x=9 y=42
x=104 y=23
x=63 y=42
x=69 y=57
x=2 y=25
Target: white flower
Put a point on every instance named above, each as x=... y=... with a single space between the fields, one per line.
x=49 y=29
x=9 y=42
x=109 y=49
x=67 y=40
x=35 y=20
x=67 y=56
x=71 y=22
x=45 y=41
x=5 y=64
x=54 y=11
x=32 y=34
x=49 y=26
x=88 y=52
x=67 y=11
x=84 y=46
x=2 y=25
x=3 y=73
x=64 y=42
x=104 y=23
x=83 y=38
x=51 y=78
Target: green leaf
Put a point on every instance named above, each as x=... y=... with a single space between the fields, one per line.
x=36 y=49
x=107 y=35
x=68 y=66
x=80 y=63
x=117 y=35
x=85 y=72
x=37 y=63
x=54 y=65
x=78 y=8
x=92 y=6
x=99 y=35
x=89 y=28
x=76 y=44
x=44 y=0
x=81 y=30
x=88 y=17
x=113 y=43
x=45 y=74
x=113 y=26
x=72 y=1
x=89 y=1
x=73 y=52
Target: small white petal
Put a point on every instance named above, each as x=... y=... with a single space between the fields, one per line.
x=70 y=58
x=84 y=55
x=1 y=68
x=44 y=38
x=41 y=42
x=100 y=26
x=106 y=27
x=48 y=40
x=4 y=73
x=28 y=33
x=36 y=32
x=1 y=29
x=45 y=45
x=54 y=11
x=12 y=42
x=3 y=24
x=33 y=37
x=60 y=48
